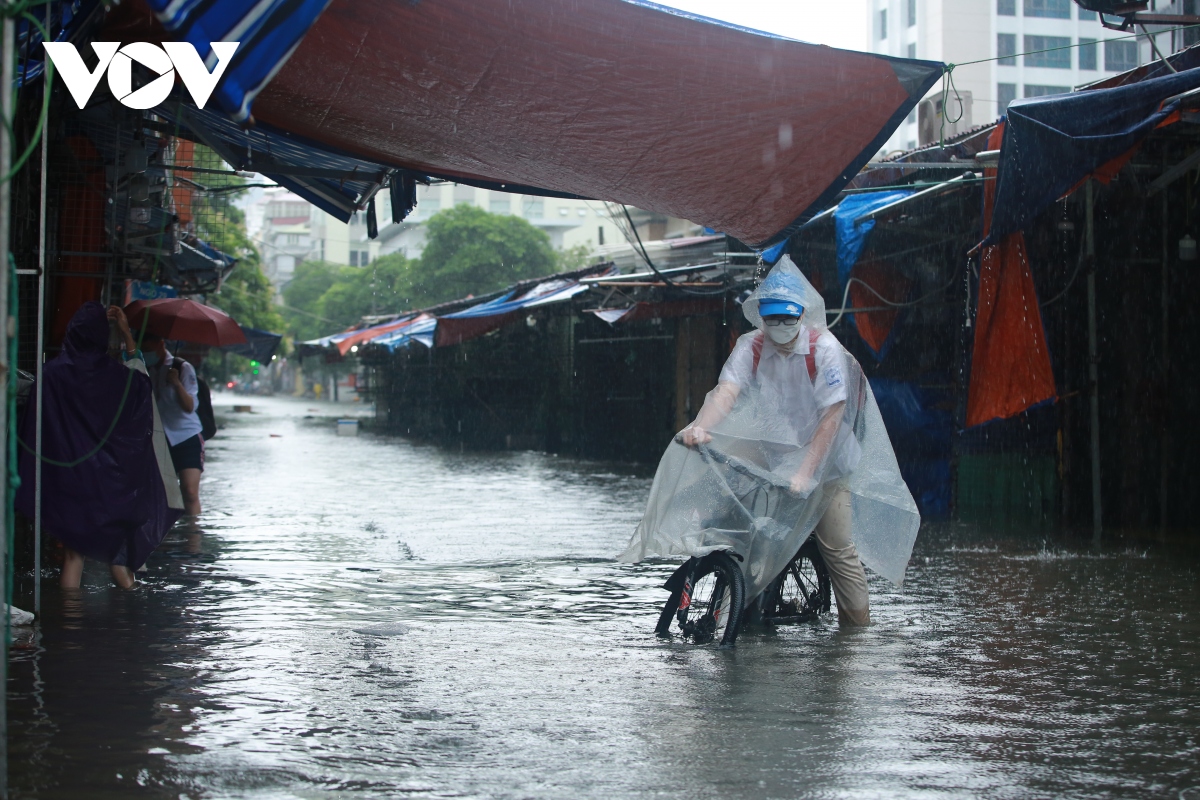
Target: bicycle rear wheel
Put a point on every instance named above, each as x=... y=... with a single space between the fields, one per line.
x=708 y=604
x=802 y=591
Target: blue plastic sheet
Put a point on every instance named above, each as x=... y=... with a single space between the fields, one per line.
x=268 y=32
x=1051 y=144
x=852 y=235
x=921 y=431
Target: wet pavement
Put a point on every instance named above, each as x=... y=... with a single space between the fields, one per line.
x=364 y=617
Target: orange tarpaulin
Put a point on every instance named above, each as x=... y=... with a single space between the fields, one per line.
x=1010 y=364
x=876 y=326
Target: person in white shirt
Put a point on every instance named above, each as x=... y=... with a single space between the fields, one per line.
x=800 y=374
x=176 y=393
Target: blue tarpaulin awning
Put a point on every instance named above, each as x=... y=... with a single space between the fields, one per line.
x=269 y=31
x=260 y=345
x=1051 y=144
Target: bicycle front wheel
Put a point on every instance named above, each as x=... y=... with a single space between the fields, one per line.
x=708 y=606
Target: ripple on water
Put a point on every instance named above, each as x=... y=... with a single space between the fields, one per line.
x=367 y=617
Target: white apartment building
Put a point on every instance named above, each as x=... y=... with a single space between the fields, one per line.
x=961 y=31
x=568 y=223
x=289 y=229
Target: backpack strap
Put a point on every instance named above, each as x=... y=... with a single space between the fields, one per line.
x=810 y=358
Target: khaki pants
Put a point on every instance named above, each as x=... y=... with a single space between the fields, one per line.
x=845 y=569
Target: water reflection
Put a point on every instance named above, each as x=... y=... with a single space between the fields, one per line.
x=366 y=617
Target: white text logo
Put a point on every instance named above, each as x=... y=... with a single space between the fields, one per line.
x=118 y=61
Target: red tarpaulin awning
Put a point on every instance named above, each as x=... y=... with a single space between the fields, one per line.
x=623 y=101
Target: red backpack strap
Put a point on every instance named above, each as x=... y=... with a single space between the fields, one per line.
x=810 y=358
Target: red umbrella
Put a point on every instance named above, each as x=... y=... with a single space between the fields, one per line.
x=185 y=320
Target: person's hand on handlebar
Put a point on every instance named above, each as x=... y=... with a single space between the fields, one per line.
x=693 y=435
x=802 y=484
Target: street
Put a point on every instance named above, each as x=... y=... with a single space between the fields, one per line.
x=367 y=617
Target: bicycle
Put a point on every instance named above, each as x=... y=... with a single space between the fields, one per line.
x=707 y=601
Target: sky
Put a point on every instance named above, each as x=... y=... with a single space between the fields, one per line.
x=842 y=23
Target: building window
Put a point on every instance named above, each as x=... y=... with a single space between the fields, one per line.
x=1086 y=14
x=582 y=212
x=354 y=258
x=293 y=238
x=1006 y=8
x=912 y=50
x=533 y=207
x=600 y=235
x=1057 y=9
x=430 y=199
x=500 y=203
x=463 y=194
x=1006 y=49
x=912 y=117
x=883 y=23
x=563 y=211
x=1087 y=53
x=1057 y=59
x=912 y=13
x=364 y=257
x=1120 y=56
x=1005 y=94
x=1034 y=90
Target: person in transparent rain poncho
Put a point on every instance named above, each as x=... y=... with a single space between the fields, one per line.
x=790 y=441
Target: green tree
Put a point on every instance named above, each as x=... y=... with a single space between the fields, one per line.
x=302 y=299
x=469 y=251
x=367 y=291
x=246 y=295
x=571 y=258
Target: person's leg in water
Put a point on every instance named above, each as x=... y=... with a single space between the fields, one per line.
x=841 y=557
x=189 y=485
x=123 y=576
x=72 y=569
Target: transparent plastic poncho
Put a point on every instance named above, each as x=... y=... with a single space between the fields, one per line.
x=739 y=492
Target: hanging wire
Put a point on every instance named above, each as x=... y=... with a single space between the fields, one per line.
x=947 y=87
x=646 y=257
x=35 y=140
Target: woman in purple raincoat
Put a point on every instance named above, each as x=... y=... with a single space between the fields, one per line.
x=103 y=495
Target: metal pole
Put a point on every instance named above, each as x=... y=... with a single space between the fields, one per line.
x=7 y=43
x=1093 y=366
x=1164 y=468
x=41 y=344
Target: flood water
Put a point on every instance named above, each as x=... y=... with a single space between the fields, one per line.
x=365 y=617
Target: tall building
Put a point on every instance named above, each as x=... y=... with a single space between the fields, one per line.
x=1032 y=42
x=568 y=223
x=289 y=229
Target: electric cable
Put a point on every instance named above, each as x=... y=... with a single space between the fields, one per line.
x=646 y=257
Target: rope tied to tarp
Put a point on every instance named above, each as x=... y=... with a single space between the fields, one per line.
x=948 y=87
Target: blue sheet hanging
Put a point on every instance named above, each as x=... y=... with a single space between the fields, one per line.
x=852 y=235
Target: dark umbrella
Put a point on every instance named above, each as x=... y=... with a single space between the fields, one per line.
x=185 y=320
x=260 y=345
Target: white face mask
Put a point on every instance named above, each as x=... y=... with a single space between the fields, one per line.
x=782 y=334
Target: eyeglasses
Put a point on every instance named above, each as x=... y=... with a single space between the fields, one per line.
x=790 y=322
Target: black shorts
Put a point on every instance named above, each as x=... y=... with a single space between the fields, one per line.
x=188 y=454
